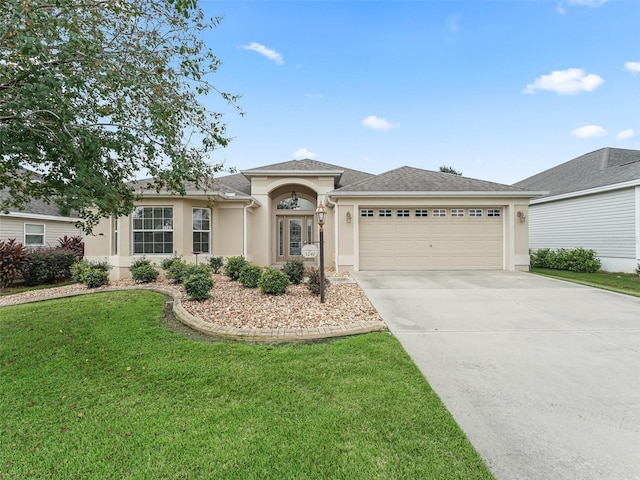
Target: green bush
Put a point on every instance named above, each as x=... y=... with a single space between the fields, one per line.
x=234 y=266
x=47 y=265
x=12 y=256
x=165 y=263
x=95 y=277
x=313 y=281
x=250 y=275
x=294 y=270
x=143 y=271
x=574 y=260
x=174 y=269
x=198 y=285
x=216 y=263
x=273 y=282
x=192 y=269
x=80 y=269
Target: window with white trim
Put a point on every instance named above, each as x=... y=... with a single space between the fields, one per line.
x=34 y=234
x=494 y=212
x=439 y=212
x=152 y=230
x=457 y=212
x=422 y=212
x=201 y=226
x=384 y=212
x=366 y=213
x=475 y=212
x=403 y=213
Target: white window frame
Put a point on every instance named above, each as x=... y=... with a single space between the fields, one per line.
x=457 y=212
x=494 y=212
x=195 y=231
x=32 y=234
x=421 y=212
x=366 y=212
x=475 y=212
x=403 y=212
x=384 y=212
x=439 y=212
x=151 y=228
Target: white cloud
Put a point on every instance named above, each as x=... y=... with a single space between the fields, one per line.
x=626 y=134
x=589 y=131
x=586 y=3
x=565 y=82
x=304 y=153
x=378 y=123
x=633 y=67
x=267 y=52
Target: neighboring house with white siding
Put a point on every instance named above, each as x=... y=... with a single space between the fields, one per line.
x=38 y=225
x=593 y=202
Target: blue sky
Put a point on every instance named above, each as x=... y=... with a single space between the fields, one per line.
x=500 y=90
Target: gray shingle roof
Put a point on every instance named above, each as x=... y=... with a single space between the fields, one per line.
x=607 y=166
x=38 y=207
x=409 y=179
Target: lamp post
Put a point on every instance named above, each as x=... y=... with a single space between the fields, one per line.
x=321 y=212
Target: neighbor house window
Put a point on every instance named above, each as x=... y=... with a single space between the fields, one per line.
x=201 y=225
x=153 y=230
x=439 y=212
x=475 y=212
x=384 y=213
x=403 y=213
x=421 y=212
x=366 y=213
x=494 y=212
x=457 y=212
x=34 y=234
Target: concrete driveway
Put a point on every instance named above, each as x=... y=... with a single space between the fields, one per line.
x=542 y=375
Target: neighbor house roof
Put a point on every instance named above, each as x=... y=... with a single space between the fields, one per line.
x=601 y=168
x=416 y=180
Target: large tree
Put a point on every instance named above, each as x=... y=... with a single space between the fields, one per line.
x=93 y=92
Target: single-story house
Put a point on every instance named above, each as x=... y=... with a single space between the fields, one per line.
x=593 y=202
x=407 y=218
x=39 y=224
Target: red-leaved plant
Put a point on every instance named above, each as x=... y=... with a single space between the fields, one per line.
x=12 y=255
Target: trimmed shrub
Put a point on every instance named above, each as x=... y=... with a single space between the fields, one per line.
x=313 y=281
x=294 y=270
x=234 y=266
x=174 y=269
x=273 y=282
x=250 y=275
x=142 y=271
x=95 y=277
x=47 y=265
x=78 y=270
x=574 y=260
x=216 y=263
x=198 y=285
x=12 y=256
x=165 y=263
x=193 y=269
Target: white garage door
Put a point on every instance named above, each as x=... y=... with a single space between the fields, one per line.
x=430 y=238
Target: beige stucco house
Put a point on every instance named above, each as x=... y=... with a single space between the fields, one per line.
x=407 y=218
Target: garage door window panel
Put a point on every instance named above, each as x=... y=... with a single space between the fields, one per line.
x=439 y=212
x=384 y=213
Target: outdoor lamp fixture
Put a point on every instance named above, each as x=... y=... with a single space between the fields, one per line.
x=522 y=216
x=321 y=213
x=294 y=198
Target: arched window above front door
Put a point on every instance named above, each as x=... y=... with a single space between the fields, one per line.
x=297 y=204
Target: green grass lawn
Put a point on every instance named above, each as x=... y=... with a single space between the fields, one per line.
x=627 y=283
x=95 y=387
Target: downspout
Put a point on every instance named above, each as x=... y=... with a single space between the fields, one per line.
x=334 y=205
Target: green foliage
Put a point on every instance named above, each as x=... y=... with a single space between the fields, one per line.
x=96 y=277
x=451 y=170
x=93 y=92
x=216 y=263
x=142 y=271
x=47 y=265
x=250 y=275
x=313 y=281
x=234 y=266
x=198 y=285
x=273 y=282
x=174 y=269
x=12 y=255
x=78 y=270
x=193 y=269
x=573 y=260
x=294 y=270
x=74 y=243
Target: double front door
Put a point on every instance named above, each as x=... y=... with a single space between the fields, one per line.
x=293 y=232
